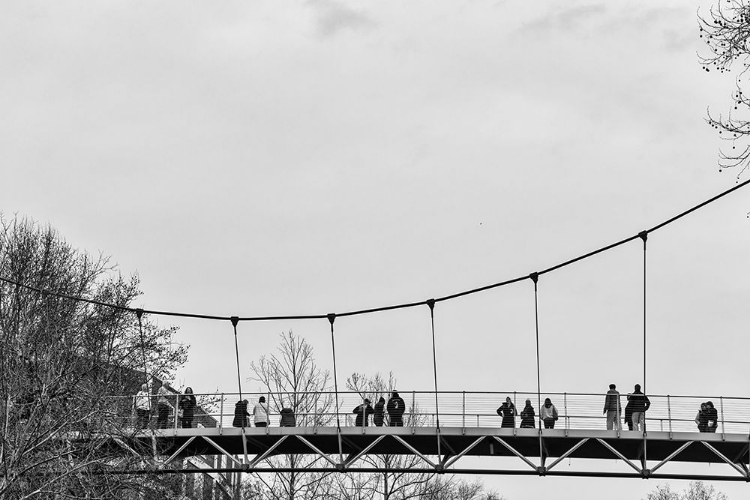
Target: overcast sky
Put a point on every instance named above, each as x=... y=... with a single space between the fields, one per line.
x=305 y=157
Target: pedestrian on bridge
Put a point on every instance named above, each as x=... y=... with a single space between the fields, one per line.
x=640 y=404
x=186 y=406
x=527 y=416
x=363 y=411
x=379 y=415
x=163 y=405
x=142 y=404
x=612 y=408
x=240 y=414
x=712 y=417
x=508 y=411
x=548 y=414
x=395 y=409
x=287 y=417
x=260 y=413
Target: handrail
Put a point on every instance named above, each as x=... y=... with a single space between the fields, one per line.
x=676 y=413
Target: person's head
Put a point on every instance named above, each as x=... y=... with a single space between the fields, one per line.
x=367 y=401
x=394 y=394
x=637 y=387
x=381 y=400
x=188 y=390
x=709 y=404
x=245 y=402
x=528 y=402
x=703 y=406
x=547 y=401
x=262 y=399
x=612 y=386
x=507 y=400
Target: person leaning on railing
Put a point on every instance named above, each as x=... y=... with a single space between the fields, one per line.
x=640 y=404
x=363 y=411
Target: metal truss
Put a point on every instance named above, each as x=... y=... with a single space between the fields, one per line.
x=445 y=450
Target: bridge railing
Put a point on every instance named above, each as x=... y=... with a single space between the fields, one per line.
x=669 y=413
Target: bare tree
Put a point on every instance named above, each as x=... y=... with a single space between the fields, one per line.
x=394 y=484
x=697 y=490
x=726 y=32
x=293 y=378
x=68 y=368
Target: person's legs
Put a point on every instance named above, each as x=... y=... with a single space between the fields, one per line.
x=610 y=419
x=637 y=416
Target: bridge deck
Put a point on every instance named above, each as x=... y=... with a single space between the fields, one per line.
x=592 y=444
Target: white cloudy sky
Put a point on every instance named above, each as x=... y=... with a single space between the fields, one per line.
x=306 y=157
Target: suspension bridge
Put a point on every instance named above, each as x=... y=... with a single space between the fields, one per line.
x=460 y=432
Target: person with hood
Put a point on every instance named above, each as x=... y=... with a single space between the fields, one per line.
x=240 y=414
x=379 y=415
x=395 y=409
x=640 y=403
x=508 y=411
x=702 y=418
x=527 y=416
x=186 y=407
x=260 y=413
x=548 y=414
x=363 y=411
x=612 y=408
x=287 y=417
x=712 y=417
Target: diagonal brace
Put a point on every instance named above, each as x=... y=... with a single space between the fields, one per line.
x=313 y=448
x=672 y=455
x=512 y=450
x=568 y=453
x=620 y=455
x=721 y=456
x=179 y=450
x=354 y=458
x=258 y=458
x=413 y=450
x=468 y=448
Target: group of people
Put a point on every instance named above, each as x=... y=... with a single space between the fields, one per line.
x=634 y=415
x=547 y=415
x=395 y=409
x=260 y=414
x=184 y=410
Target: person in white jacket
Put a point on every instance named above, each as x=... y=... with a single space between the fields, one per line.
x=260 y=413
x=548 y=414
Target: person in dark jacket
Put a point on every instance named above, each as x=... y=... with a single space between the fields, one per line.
x=379 y=414
x=629 y=414
x=712 y=417
x=363 y=412
x=508 y=411
x=395 y=409
x=640 y=404
x=187 y=405
x=287 y=418
x=702 y=418
x=241 y=415
x=527 y=416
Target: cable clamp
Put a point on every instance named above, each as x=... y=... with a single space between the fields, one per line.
x=643 y=235
x=331 y=318
x=139 y=313
x=534 y=277
x=234 y=320
x=430 y=303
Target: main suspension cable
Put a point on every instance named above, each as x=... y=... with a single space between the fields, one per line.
x=395 y=306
